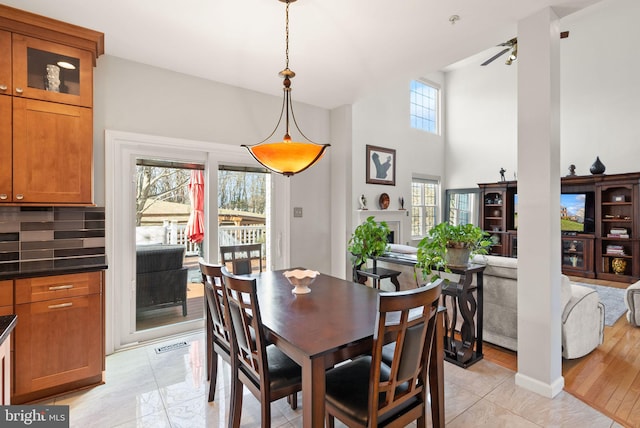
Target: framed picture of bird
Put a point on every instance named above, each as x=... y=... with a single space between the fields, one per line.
x=381 y=165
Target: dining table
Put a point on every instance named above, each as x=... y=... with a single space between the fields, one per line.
x=335 y=321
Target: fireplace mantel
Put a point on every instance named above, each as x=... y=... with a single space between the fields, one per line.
x=395 y=219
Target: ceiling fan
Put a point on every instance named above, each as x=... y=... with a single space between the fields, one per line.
x=512 y=45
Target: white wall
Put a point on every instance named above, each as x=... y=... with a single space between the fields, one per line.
x=341 y=185
x=134 y=97
x=382 y=119
x=599 y=101
x=601 y=87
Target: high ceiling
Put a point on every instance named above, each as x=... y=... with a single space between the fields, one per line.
x=338 y=48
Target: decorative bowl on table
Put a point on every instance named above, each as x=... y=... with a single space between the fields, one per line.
x=301 y=279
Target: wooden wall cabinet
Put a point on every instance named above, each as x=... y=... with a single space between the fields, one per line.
x=52 y=152
x=617 y=231
x=59 y=338
x=46 y=72
x=496 y=215
x=6 y=149
x=577 y=255
x=611 y=252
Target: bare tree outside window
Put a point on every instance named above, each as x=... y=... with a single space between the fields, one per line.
x=154 y=184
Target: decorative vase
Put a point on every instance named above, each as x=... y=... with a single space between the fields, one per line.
x=618 y=265
x=52 y=81
x=597 y=167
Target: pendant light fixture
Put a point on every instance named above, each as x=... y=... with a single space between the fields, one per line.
x=287 y=157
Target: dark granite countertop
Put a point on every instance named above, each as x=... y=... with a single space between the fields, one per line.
x=7 y=324
x=24 y=270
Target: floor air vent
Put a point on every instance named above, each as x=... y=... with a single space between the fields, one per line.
x=172 y=347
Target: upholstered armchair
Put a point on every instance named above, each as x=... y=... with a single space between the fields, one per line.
x=582 y=319
x=632 y=301
x=582 y=312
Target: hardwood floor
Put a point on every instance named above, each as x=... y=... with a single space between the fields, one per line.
x=608 y=379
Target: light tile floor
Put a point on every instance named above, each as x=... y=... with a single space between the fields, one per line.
x=147 y=389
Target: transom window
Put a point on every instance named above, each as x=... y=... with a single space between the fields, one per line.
x=424 y=102
x=424 y=205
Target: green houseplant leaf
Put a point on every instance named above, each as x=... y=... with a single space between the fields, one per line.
x=433 y=248
x=369 y=240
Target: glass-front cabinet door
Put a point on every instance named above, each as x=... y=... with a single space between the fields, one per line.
x=5 y=63
x=51 y=72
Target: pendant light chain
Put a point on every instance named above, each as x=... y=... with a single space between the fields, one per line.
x=286 y=51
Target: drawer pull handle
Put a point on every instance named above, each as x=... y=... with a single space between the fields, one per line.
x=19 y=90
x=60 y=287
x=19 y=196
x=4 y=196
x=61 y=305
x=3 y=87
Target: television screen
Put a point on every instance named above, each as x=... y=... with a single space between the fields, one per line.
x=576 y=212
x=572 y=211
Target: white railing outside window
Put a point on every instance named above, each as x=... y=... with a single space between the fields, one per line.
x=174 y=233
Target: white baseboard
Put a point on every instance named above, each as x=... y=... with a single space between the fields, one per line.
x=541 y=388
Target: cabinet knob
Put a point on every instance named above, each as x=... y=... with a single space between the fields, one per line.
x=19 y=90
x=3 y=196
x=3 y=87
x=19 y=196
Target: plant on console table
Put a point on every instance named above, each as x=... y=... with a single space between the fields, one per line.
x=368 y=241
x=448 y=246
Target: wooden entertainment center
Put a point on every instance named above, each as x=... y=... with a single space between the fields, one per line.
x=606 y=244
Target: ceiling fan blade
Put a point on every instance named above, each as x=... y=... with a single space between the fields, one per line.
x=509 y=42
x=496 y=56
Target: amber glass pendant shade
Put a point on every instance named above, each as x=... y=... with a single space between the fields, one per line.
x=288 y=157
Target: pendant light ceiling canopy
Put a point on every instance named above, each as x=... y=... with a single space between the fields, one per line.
x=287 y=157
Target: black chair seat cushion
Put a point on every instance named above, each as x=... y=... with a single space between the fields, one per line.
x=283 y=371
x=348 y=389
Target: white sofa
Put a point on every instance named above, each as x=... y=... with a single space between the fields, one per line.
x=582 y=311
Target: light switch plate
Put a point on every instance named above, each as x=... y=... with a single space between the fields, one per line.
x=297 y=211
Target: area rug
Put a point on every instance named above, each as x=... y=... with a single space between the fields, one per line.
x=613 y=300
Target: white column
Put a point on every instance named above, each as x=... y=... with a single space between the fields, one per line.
x=539 y=335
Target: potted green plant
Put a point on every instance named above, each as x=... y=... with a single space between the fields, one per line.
x=368 y=241
x=449 y=245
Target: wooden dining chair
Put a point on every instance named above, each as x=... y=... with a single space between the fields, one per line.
x=366 y=392
x=218 y=343
x=240 y=259
x=263 y=368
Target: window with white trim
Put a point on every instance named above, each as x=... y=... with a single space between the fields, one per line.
x=424 y=205
x=424 y=106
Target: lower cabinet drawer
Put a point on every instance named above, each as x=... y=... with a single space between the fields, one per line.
x=58 y=342
x=57 y=287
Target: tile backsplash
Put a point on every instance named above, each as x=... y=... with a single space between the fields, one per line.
x=37 y=238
